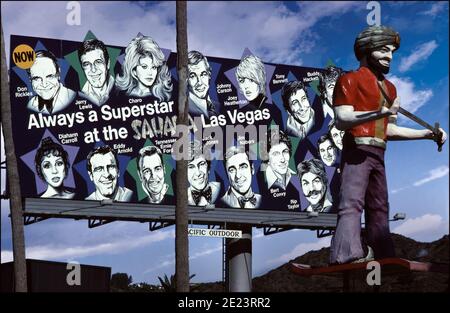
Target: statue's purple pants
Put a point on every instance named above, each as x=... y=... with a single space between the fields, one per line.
x=363 y=187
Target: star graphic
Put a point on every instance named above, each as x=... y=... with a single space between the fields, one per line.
x=215 y=68
x=314 y=137
x=218 y=170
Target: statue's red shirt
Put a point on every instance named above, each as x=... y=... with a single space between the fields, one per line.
x=360 y=90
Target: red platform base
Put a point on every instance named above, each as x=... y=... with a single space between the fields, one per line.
x=392 y=265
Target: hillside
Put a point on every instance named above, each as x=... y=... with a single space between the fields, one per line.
x=281 y=279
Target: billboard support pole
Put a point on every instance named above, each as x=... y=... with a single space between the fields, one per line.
x=18 y=237
x=239 y=260
x=181 y=210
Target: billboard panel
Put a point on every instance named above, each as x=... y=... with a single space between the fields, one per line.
x=92 y=121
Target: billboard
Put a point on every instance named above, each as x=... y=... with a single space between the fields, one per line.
x=92 y=121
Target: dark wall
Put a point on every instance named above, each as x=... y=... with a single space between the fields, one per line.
x=47 y=276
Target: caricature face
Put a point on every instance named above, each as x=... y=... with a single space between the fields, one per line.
x=152 y=174
x=198 y=173
x=337 y=136
x=198 y=80
x=327 y=152
x=329 y=90
x=313 y=187
x=279 y=158
x=300 y=107
x=239 y=172
x=95 y=67
x=104 y=173
x=249 y=88
x=145 y=72
x=44 y=78
x=53 y=170
x=381 y=58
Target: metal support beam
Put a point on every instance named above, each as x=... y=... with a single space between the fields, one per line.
x=224 y=265
x=398 y=216
x=28 y=220
x=93 y=222
x=274 y=230
x=152 y=226
x=140 y=212
x=321 y=233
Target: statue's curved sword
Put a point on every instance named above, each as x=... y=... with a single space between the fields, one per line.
x=437 y=133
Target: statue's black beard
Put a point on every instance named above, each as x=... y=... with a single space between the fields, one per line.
x=376 y=66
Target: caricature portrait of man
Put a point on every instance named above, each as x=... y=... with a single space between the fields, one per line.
x=200 y=191
x=300 y=114
x=94 y=60
x=275 y=177
x=199 y=78
x=327 y=150
x=103 y=169
x=327 y=81
x=151 y=171
x=314 y=182
x=278 y=173
x=51 y=96
x=240 y=171
x=335 y=134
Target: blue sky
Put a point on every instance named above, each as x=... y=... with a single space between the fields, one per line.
x=297 y=33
